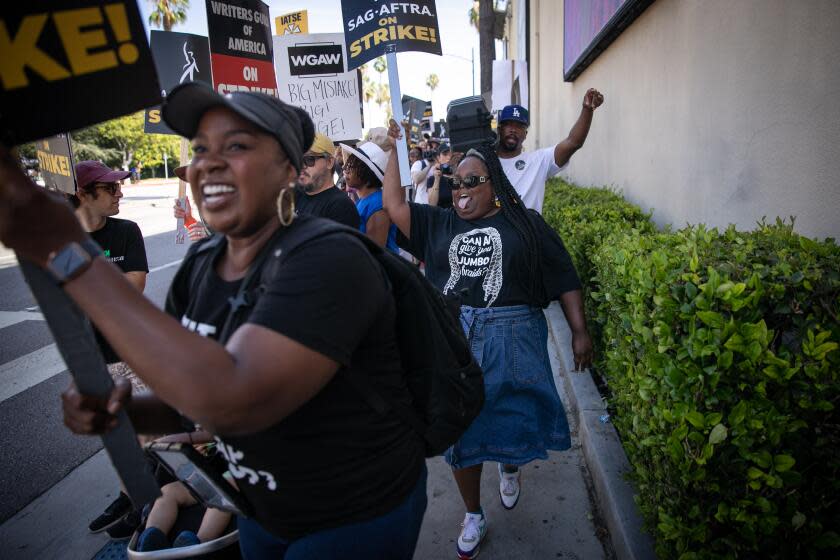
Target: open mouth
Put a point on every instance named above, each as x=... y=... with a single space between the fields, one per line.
x=215 y=195
x=463 y=201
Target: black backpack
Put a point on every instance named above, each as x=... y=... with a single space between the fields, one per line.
x=445 y=382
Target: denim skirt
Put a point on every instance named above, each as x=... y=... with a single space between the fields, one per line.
x=522 y=416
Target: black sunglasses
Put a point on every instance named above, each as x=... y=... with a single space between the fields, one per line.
x=469 y=182
x=309 y=161
x=110 y=188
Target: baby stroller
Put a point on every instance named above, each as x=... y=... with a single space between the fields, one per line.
x=203 y=478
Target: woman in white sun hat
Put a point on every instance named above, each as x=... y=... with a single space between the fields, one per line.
x=364 y=168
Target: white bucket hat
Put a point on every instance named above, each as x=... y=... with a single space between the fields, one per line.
x=371 y=155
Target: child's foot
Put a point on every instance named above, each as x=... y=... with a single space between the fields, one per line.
x=185 y=538
x=152 y=539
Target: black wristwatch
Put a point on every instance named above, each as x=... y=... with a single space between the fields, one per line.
x=72 y=260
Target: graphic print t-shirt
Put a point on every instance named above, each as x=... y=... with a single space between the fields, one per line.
x=332 y=204
x=122 y=244
x=483 y=261
x=528 y=173
x=335 y=460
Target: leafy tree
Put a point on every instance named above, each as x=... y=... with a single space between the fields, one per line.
x=432 y=82
x=168 y=13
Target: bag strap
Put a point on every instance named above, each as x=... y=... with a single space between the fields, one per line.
x=247 y=295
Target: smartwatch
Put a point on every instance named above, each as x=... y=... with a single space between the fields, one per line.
x=72 y=260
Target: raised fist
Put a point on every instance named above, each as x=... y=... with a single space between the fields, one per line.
x=592 y=99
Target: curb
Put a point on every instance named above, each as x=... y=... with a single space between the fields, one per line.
x=602 y=450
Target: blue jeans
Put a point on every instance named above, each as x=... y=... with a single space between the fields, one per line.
x=392 y=536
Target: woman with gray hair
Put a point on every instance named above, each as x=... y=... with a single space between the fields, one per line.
x=324 y=474
x=504 y=264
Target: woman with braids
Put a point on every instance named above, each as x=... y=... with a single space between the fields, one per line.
x=505 y=264
x=326 y=476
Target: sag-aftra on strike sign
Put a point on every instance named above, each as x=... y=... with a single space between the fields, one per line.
x=62 y=62
x=373 y=27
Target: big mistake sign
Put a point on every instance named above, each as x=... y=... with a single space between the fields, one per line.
x=62 y=63
x=311 y=75
x=372 y=28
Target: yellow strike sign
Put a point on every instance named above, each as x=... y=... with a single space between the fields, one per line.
x=54 y=163
x=392 y=33
x=292 y=23
x=82 y=34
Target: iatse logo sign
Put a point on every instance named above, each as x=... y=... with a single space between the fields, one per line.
x=315 y=60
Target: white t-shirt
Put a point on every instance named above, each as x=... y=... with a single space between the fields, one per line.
x=418 y=166
x=421 y=195
x=528 y=173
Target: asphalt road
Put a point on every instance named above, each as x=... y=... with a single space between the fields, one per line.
x=38 y=451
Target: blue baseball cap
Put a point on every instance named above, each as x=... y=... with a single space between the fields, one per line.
x=516 y=113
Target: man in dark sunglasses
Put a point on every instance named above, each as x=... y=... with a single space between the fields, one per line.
x=97 y=200
x=316 y=193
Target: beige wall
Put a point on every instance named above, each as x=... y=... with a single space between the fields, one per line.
x=716 y=111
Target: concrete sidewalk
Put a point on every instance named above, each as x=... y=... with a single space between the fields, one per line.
x=555 y=518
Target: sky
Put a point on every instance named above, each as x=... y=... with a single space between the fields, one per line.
x=457 y=37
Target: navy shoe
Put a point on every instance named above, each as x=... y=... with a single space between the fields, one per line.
x=185 y=538
x=152 y=539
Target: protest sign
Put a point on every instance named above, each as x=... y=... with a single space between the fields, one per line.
x=240 y=46
x=372 y=28
x=292 y=23
x=61 y=63
x=311 y=75
x=55 y=160
x=179 y=58
x=510 y=83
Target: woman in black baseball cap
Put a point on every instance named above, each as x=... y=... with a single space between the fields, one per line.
x=324 y=474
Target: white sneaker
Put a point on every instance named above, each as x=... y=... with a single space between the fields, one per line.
x=474 y=529
x=508 y=488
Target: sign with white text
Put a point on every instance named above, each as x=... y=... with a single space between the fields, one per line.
x=179 y=58
x=311 y=75
x=67 y=64
x=240 y=46
x=373 y=28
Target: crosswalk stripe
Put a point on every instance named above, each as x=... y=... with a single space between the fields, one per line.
x=28 y=370
x=9 y=318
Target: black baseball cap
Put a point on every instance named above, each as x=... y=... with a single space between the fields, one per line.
x=291 y=126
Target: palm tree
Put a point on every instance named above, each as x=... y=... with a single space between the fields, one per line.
x=432 y=82
x=486 y=43
x=383 y=97
x=168 y=13
x=473 y=15
x=380 y=66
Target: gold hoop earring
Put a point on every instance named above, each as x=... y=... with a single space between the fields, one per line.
x=286 y=219
x=497 y=202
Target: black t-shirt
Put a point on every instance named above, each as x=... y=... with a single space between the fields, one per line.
x=122 y=244
x=484 y=260
x=335 y=460
x=331 y=203
x=444 y=190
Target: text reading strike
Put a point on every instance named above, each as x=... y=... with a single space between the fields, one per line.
x=82 y=34
x=392 y=33
x=53 y=163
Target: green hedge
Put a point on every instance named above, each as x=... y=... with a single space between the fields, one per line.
x=721 y=354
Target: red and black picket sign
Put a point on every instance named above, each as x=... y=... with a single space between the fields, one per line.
x=241 y=46
x=372 y=28
x=66 y=64
x=179 y=58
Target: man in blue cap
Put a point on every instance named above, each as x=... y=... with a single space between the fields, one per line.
x=528 y=171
